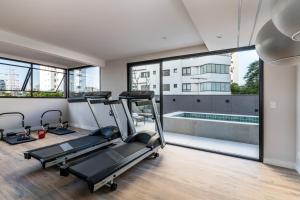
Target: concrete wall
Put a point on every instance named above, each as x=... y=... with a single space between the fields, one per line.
x=227 y=104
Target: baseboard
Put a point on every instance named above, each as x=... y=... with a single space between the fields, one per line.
x=83 y=126
x=280 y=163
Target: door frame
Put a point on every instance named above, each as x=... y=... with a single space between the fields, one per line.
x=261 y=92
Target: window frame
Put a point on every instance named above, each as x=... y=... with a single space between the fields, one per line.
x=166 y=70
x=186 y=90
x=160 y=60
x=30 y=79
x=163 y=87
x=145 y=74
x=185 y=70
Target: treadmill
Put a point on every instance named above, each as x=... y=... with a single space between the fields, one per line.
x=102 y=167
x=62 y=152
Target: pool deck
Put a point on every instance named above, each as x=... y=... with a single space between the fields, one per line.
x=216 y=145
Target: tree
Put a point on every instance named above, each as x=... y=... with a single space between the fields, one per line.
x=252 y=81
x=252 y=77
x=235 y=88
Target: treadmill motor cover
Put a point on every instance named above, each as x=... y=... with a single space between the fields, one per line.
x=109 y=132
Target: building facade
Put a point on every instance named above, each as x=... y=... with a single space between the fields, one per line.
x=207 y=75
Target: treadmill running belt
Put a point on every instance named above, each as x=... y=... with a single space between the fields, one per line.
x=56 y=150
x=102 y=164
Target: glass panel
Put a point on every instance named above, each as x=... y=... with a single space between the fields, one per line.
x=48 y=81
x=84 y=80
x=12 y=62
x=142 y=115
x=225 y=102
x=13 y=79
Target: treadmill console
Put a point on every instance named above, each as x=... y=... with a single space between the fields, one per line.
x=137 y=95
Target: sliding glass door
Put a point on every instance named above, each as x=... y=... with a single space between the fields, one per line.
x=211 y=101
x=144 y=77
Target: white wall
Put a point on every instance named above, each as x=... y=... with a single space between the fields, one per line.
x=32 y=108
x=280 y=121
x=298 y=122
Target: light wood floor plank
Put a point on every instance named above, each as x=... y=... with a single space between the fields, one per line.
x=178 y=173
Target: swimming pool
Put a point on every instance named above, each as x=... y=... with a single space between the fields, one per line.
x=239 y=128
x=219 y=117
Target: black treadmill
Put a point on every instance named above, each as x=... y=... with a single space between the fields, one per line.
x=62 y=152
x=102 y=167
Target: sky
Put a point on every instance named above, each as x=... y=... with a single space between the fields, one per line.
x=244 y=59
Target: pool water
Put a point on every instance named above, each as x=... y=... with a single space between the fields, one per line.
x=220 y=117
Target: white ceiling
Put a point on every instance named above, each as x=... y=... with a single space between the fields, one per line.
x=220 y=17
x=72 y=32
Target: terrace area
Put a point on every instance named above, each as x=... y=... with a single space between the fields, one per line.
x=218 y=134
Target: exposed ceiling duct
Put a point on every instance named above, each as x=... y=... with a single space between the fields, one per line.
x=286 y=17
x=274 y=47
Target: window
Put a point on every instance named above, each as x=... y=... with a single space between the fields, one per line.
x=166 y=72
x=215 y=86
x=218 y=69
x=154 y=72
x=154 y=86
x=202 y=71
x=213 y=68
x=186 y=87
x=166 y=87
x=175 y=70
x=23 y=79
x=175 y=85
x=145 y=87
x=186 y=71
x=208 y=68
x=145 y=74
x=48 y=81
x=84 y=80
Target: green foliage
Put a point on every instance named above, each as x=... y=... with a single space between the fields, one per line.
x=252 y=81
x=34 y=94
x=48 y=94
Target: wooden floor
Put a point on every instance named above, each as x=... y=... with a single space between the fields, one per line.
x=178 y=173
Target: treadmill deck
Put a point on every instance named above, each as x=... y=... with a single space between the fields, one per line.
x=103 y=163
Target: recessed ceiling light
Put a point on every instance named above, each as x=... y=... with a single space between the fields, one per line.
x=219 y=36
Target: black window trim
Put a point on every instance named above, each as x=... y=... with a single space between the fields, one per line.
x=29 y=76
x=208 y=53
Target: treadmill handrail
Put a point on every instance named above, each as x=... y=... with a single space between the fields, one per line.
x=139 y=95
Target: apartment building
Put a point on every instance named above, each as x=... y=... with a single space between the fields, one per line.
x=207 y=75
